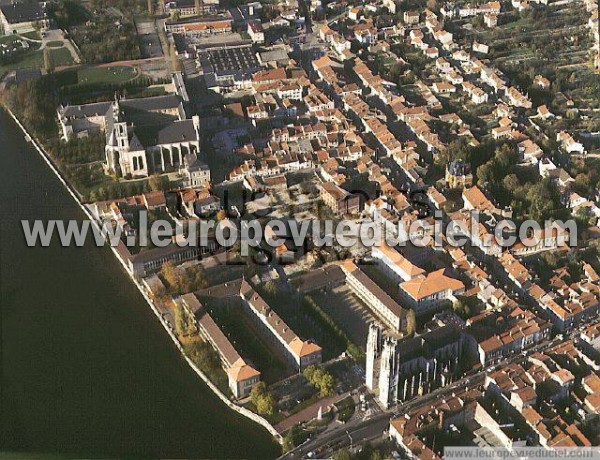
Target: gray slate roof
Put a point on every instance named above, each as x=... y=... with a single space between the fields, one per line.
x=85 y=111
x=178 y=131
x=169 y=101
x=25 y=11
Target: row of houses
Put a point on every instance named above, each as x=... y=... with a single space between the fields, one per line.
x=527 y=395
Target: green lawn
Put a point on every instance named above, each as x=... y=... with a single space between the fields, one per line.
x=55 y=44
x=109 y=74
x=345 y=409
x=61 y=56
x=6 y=39
x=34 y=35
x=29 y=60
x=35 y=60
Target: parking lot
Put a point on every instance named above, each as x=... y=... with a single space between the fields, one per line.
x=352 y=315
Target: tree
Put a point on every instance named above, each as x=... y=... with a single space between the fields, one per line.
x=458 y=149
x=542 y=201
x=174 y=277
x=485 y=173
x=207 y=360
x=266 y=404
x=150 y=7
x=309 y=372
x=342 y=454
x=321 y=379
x=376 y=455
x=292 y=438
x=462 y=309
x=264 y=401
x=196 y=278
x=326 y=385
x=270 y=288
x=259 y=389
x=511 y=182
x=158 y=183
x=184 y=325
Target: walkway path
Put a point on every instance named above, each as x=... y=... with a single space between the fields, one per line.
x=55 y=35
x=58 y=35
x=27 y=39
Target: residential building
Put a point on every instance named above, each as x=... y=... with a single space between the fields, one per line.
x=241 y=376
x=425 y=293
x=302 y=353
x=201 y=27
x=385 y=308
x=196 y=173
x=339 y=200
x=458 y=175
x=22 y=16
x=395 y=264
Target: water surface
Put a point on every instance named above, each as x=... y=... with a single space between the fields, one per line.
x=86 y=367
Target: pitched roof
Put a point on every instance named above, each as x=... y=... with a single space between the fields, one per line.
x=298 y=346
x=350 y=267
x=86 y=110
x=399 y=260
x=135 y=144
x=169 y=101
x=240 y=371
x=304 y=347
x=156 y=198
x=24 y=11
x=477 y=199
x=178 y=131
x=425 y=286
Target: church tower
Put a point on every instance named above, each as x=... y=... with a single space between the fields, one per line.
x=388 y=374
x=373 y=349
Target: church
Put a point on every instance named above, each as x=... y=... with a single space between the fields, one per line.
x=143 y=136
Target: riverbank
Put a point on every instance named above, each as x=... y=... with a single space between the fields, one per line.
x=72 y=192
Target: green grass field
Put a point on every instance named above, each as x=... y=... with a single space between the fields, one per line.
x=34 y=59
x=109 y=74
x=60 y=57
x=6 y=39
x=55 y=44
x=34 y=35
x=29 y=60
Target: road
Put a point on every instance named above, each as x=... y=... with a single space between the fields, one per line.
x=312 y=37
x=308 y=413
x=359 y=431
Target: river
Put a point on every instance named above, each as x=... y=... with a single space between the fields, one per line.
x=87 y=370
